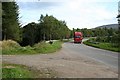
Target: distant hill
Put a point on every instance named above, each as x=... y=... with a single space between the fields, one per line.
x=114 y=26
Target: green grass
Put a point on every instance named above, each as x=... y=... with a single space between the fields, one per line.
x=106 y=46
x=21 y=71
x=12 y=48
x=15 y=71
x=47 y=48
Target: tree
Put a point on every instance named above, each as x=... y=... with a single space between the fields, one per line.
x=53 y=28
x=29 y=34
x=10 y=21
x=110 y=32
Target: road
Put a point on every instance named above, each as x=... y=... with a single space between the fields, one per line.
x=109 y=58
x=72 y=61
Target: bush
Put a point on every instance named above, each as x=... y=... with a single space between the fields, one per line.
x=7 y=44
x=12 y=47
x=100 y=39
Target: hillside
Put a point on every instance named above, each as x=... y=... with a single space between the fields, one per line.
x=114 y=26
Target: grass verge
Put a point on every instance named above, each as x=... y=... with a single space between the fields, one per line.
x=21 y=71
x=106 y=46
x=11 y=48
x=15 y=71
x=47 y=48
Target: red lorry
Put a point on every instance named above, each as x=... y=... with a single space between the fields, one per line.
x=78 y=36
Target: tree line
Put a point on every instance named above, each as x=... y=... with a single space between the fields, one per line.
x=47 y=28
x=101 y=32
x=109 y=35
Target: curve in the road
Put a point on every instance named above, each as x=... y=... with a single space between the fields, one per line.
x=109 y=58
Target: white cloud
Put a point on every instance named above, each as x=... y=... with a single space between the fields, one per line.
x=77 y=13
x=82 y=14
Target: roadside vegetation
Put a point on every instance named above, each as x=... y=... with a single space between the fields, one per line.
x=94 y=42
x=11 y=47
x=15 y=71
x=21 y=71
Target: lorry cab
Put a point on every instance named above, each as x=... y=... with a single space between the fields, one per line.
x=78 y=36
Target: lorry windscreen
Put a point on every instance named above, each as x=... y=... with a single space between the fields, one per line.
x=77 y=36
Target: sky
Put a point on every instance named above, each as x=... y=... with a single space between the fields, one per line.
x=76 y=13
